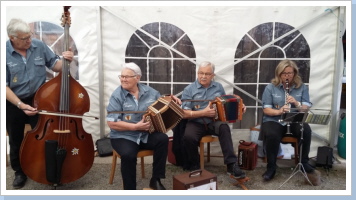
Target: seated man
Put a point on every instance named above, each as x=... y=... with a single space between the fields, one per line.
x=129 y=132
x=200 y=123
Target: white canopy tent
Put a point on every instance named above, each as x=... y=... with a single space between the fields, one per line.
x=102 y=33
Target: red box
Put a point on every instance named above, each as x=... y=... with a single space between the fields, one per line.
x=247 y=155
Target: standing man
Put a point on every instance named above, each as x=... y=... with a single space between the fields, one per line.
x=200 y=123
x=26 y=62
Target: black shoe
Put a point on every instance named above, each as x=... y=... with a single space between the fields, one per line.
x=156 y=184
x=268 y=175
x=20 y=180
x=234 y=170
x=308 y=168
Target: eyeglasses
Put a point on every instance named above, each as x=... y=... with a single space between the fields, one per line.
x=126 y=77
x=206 y=74
x=25 y=38
x=287 y=73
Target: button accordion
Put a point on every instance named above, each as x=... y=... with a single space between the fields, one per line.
x=164 y=114
x=229 y=108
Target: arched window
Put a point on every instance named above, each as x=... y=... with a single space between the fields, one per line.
x=252 y=74
x=53 y=35
x=162 y=67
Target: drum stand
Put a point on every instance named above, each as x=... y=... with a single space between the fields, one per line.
x=299 y=167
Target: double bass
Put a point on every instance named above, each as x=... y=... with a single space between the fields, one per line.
x=58 y=150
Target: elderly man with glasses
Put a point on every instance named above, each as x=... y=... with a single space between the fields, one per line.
x=199 y=115
x=26 y=62
x=129 y=131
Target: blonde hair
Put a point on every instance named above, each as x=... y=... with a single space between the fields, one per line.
x=297 y=80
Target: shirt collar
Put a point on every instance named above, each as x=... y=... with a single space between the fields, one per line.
x=12 y=50
x=141 y=90
x=198 y=85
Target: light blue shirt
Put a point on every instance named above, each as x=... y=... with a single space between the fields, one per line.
x=195 y=91
x=25 y=75
x=122 y=100
x=274 y=97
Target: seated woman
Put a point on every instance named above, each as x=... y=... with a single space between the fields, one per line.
x=277 y=100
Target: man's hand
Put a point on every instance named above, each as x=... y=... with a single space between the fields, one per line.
x=30 y=111
x=243 y=108
x=142 y=125
x=176 y=99
x=69 y=55
x=209 y=111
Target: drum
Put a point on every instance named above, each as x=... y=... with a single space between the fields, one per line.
x=229 y=108
x=164 y=114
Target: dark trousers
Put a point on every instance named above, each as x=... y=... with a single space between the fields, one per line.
x=195 y=131
x=158 y=142
x=273 y=133
x=15 y=126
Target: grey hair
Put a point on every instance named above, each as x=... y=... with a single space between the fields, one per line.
x=17 y=25
x=132 y=66
x=207 y=63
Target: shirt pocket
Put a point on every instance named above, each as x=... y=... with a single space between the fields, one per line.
x=40 y=68
x=17 y=75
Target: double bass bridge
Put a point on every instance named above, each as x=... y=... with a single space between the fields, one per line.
x=61 y=131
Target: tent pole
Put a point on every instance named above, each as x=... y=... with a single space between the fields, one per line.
x=337 y=85
x=100 y=73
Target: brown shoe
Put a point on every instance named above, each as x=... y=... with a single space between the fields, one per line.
x=314 y=178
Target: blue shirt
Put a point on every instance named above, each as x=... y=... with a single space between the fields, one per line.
x=195 y=91
x=122 y=100
x=274 y=97
x=25 y=75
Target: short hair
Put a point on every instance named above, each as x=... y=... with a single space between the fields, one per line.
x=207 y=63
x=17 y=25
x=132 y=66
x=297 y=80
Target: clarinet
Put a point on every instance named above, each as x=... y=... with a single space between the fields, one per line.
x=287 y=94
x=288 y=104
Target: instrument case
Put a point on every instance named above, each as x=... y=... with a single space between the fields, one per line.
x=247 y=155
x=195 y=180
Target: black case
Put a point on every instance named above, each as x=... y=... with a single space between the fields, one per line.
x=103 y=146
x=324 y=157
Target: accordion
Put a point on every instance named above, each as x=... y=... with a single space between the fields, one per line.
x=229 y=108
x=247 y=155
x=164 y=114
